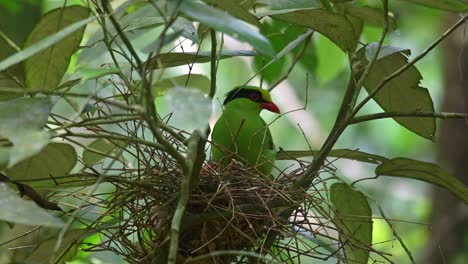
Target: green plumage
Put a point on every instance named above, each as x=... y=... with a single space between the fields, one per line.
x=241 y=134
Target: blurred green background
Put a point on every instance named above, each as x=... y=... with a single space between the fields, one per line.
x=323 y=71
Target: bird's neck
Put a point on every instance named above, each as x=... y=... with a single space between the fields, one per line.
x=244 y=105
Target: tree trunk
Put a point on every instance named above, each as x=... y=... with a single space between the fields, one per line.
x=449 y=219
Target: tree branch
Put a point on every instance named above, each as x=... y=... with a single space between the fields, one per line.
x=441 y=115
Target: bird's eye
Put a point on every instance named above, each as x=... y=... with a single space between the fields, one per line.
x=254 y=96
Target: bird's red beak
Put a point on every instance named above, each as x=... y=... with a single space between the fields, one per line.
x=270 y=107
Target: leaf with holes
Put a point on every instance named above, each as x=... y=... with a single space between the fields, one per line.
x=45 y=69
x=401 y=94
x=353 y=218
x=423 y=171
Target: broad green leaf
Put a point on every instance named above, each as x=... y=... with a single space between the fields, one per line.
x=236 y=10
x=55 y=160
x=370 y=15
x=333 y=26
x=26 y=144
x=7 y=82
x=102 y=149
x=223 y=22
x=44 y=43
x=22 y=121
x=353 y=218
x=45 y=69
x=402 y=94
x=67 y=249
x=17 y=210
x=449 y=5
x=167 y=60
x=358 y=25
x=197 y=81
x=423 y=171
x=23 y=114
x=190 y=109
x=336 y=153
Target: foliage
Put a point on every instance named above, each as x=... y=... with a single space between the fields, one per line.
x=82 y=131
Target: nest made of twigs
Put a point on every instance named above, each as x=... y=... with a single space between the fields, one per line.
x=229 y=209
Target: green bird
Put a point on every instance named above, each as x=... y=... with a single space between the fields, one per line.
x=241 y=134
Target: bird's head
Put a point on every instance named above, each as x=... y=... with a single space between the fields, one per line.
x=257 y=95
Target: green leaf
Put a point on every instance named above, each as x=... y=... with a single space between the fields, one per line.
x=17 y=210
x=186 y=28
x=197 y=81
x=358 y=25
x=290 y=4
x=55 y=160
x=7 y=82
x=402 y=94
x=326 y=52
x=156 y=44
x=44 y=43
x=236 y=10
x=173 y=59
x=423 y=171
x=221 y=21
x=333 y=26
x=66 y=251
x=22 y=121
x=353 y=218
x=45 y=69
x=104 y=148
x=449 y=5
x=370 y=15
x=336 y=153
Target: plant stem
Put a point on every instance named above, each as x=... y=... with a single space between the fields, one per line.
x=184 y=194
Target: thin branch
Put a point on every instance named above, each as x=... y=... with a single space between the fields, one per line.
x=441 y=115
x=213 y=67
x=294 y=62
x=115 y=137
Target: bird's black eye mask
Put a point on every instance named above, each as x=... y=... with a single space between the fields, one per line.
x=253 y=95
